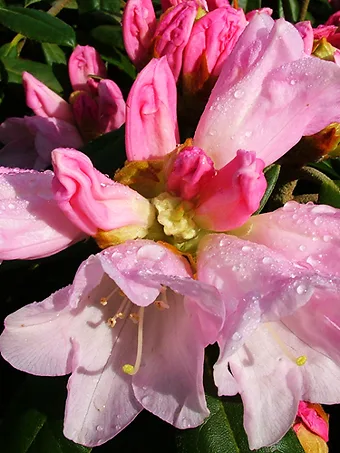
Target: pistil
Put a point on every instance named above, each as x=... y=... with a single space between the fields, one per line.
x=133 y=369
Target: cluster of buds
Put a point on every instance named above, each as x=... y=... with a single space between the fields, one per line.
x=96 y=107
x=196 y=37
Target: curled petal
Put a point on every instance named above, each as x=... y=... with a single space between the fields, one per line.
x=279 y=95
x=45 y=102
x=151 y=115
x=91 y=200
x=173 y=32
x=334 y=19
x=111 y=106
x=189 y=172
x=212 y=39
x=233 y=194
x=84 y=62
x=31 y=224
x=86 y=114
x=139 y=24
x=306 y=31
x=254 y=12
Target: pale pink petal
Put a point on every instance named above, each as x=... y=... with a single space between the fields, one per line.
x=233 y=194
x=84 y=62
x=271 y=383
x=139 y=24
x=173 y=32
x=254 y=12
x=91 y=200
x=268 y=95
x=255 y=283
x=151 y=113
x=170 y=381
x=45 y=102
x=14 y=129
x=304 y=233
x=35 y=338
x=31 y=224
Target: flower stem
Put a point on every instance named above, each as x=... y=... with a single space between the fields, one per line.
x=57 y=7
x=303 y=10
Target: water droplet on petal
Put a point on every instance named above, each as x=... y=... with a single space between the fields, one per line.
x=292 y=82
x=318 y=221
x=301 y=289
x=302 y=248
x=99 y=428
x=238 y=94
x=246 y=248
x=237 y=336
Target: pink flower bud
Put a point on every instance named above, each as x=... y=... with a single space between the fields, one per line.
x=229 y=198
x=214 y=4
x=111 y=106
x=314 y=418
x=86 y=113
x=252 y=13
x=173 y=32
x=212 y=39
x=189 y=173
x=166 y=4
x=84 y=62
x=91 y=200
x=306 y=31
x=334 y=19
x=139 y=23
x=151 y=113
x=45 y=102
x=324 y=31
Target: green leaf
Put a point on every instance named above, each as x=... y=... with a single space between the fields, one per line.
x=223 y=432
x=291 y=9
x=37 y=25
x=31 y=2
x=107 y=152
x=122 y=62
x=53 y=54
x=271 y=173
x=8 y=50
x=330 y=193
x=109 y=6
x=110 y=35
x=15 y=67
x=249 y=5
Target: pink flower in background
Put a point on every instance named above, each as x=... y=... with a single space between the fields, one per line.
x=306 y=31
x=309 y=416
x=140 y=348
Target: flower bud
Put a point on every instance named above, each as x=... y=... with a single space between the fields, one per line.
x=189 y=172
x=173 y=32
x=92 y=201
x=311 y=427
x=151 y=114
x=324 y=50
x=233 y=195
x=139 y=23
x=45 y=102
x=306 y=31
x=84 y=62
x=86 y=114
x=212 y=39
x=214 y=4
x=111 y=106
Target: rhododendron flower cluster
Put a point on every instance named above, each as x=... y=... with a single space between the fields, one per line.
x=185 y=262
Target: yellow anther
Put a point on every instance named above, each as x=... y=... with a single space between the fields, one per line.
x=134 y=317
x=300 y=361
x=112 y=321
x=161 y=305
x=103 y=301
x=129 y=369
x=119 y=315
x=121 y=293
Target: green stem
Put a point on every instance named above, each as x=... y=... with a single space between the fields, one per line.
x=303 y=10
x=57 y=7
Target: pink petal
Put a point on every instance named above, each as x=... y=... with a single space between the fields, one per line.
x=173 y=32
x=84 y=62
x=254 y=12
x=255 y=284
x=313 y=420
x=111 y=106
x=91 y=200
x=14 y=129
x=45 y=102
x=170 y=381
x=151 y=114
x=306 y=234
x=306 y=31
x=31 y=223
x=139 y=24
x=278 y=95
x=237 y=188
x=35 y=340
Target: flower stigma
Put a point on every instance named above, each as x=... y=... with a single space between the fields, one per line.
x=299 y=361
x=133 y=369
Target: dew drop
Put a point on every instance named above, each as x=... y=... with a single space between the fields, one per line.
x=11 y=206
x=237 y=336
x=246 y=248
x=267 y=260
x=327 y=238
x=238 y=94
x=317 y=221
x=248 y=134
x=302 y=248
x=301 y=289
x=292 y=82
x=99 y=428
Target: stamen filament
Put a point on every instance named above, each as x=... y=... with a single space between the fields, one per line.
x=133 y=369
x=299 y=361
x=104 y=300
x=121 y=312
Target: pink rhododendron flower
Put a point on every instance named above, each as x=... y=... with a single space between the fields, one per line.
x=139 y=24
x=91 y=200
x=310 y=418
x=281 y=337
x=111 y=106
x=85 y=62
x=30 y=140
x=306 y=31
x=251 y=14
x=31 y=223
x=160 y=323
